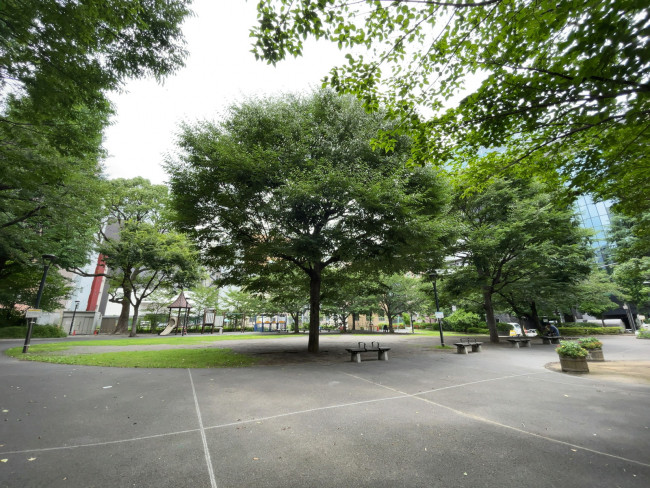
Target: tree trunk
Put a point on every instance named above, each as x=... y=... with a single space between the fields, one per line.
x=134 y=326
x=314 y=309
x=535 y=316
x=344 y=322
x=296 y=323
x=489 y=315
x=390 y=323
x=123 y=321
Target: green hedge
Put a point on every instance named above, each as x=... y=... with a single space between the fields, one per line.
x=38 y=331
x=644 y=334
x=477 y=330
x=578 y=331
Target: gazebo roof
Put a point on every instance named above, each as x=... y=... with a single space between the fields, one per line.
x=180 y=302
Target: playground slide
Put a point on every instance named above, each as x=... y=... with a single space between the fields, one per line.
x=171 y=325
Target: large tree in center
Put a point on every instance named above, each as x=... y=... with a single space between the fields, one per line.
x=295 y=182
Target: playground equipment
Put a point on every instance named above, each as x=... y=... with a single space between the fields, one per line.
x=171 y=325
x=177 y=322
x=210 y=319
x=277 y=323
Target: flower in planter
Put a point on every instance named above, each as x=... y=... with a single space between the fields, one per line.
x=590 y=343
x=571 y=349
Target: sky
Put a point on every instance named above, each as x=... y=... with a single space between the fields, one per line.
x=219 y=71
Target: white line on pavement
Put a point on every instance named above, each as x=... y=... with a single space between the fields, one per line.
x=498 y=424
x=213 y=481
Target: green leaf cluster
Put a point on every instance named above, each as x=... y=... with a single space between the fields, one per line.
x=562 y=86
x=590 y=343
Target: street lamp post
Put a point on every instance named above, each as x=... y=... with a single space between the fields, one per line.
x=76 y=304
x=48 y=259
x=433 y=275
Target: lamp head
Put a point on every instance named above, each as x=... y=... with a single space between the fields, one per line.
x=49 y=257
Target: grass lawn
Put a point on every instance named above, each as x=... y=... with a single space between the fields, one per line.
x=63 y=353
x=168 y=358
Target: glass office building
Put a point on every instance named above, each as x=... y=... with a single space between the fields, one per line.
x=595 y=216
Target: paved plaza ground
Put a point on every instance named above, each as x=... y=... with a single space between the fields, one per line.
x=503 y=417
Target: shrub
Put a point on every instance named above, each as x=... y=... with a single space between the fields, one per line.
x=461 y=321
x=582 y=324
x=573 y=331
x=590 y=343
x=38 y=331
x=477 y=330
x=571 y=349
x=644 y=334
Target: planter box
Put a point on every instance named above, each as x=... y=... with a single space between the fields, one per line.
x=574 y=365
x=595 y=355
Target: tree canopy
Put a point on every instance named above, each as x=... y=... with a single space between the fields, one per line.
x=565 y=85
x=516 y=240
x=58 y=59
x=142 y=253
x=62 y=53
x=294 y=182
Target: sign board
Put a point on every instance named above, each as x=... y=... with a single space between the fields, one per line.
x=440 y=315
x=33 y=313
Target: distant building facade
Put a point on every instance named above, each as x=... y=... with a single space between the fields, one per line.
x=596 y=216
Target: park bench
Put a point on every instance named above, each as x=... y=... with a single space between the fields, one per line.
x=462 y=347
x=551 y=339
x=355 y=352
x=516 y=341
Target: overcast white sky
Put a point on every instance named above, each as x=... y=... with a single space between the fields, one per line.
x=220 y=70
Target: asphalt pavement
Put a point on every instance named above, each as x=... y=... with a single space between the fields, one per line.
x=424 y=418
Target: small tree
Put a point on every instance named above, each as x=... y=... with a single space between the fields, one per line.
x=141 y=251
x=398 y=294
x=243 y=303
x=142 y=260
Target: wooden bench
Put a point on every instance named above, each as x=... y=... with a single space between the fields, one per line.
x=551 y=339
x=355 y=352
x=462 y=347
x=516 y=341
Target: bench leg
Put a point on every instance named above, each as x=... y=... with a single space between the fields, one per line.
x=382 y=355
x=515 y=344
x=356 y=357
x=527 y=344
x=476 y=348
x=461 y=349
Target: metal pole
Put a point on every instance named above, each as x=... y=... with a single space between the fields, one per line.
x=76 y=304
x=48 y=259
x=435 y=293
